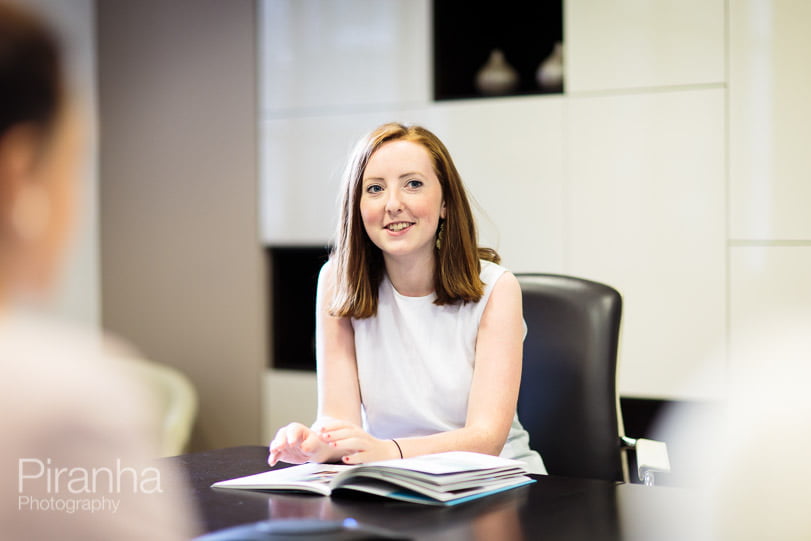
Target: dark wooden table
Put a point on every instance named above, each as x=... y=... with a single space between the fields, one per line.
x=551 y=508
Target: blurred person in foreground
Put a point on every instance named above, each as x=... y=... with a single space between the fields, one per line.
x=77 y=435
x=742 y=459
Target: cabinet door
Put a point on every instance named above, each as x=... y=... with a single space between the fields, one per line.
x=770 y=120
x=647 y=213
x=319 y=55
x=770 y=308
x=623 y=44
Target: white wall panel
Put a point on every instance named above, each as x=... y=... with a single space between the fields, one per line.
x=647 y=215
x=621 y=44
x=510 y=155
x=287 y=396
x=770 y=305
x=318 y=54
x=770 y=120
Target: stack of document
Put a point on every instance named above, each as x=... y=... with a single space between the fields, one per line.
x=437 y=479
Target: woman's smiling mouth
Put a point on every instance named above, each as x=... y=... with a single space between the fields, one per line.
x=396 y=227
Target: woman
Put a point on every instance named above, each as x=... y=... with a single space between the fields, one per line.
x=77 y=437
x=419 y=331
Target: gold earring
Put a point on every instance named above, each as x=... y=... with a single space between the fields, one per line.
x=439 y=234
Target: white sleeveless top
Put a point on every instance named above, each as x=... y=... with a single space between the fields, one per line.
x=415 y=366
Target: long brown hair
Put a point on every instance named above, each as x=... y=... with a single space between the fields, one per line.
x=358 y=263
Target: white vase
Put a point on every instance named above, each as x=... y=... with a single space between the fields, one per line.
x=496 y=76
x=550 y=72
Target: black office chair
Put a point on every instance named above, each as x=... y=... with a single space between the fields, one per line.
x=568 y=397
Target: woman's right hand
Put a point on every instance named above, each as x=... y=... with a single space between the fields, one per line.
x=297 y=444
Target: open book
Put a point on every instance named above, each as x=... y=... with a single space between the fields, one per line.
x=438 y=479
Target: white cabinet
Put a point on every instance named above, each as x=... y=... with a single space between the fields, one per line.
x=770 y=120
x=626 y=44
x=770 y=308
x=646 y=204
x=317 y=55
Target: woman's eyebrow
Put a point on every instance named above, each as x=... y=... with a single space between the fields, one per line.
x=404 y=175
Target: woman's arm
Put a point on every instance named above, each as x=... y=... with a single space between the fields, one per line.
x=337 y=371
x=338 y=388
x=493 y=393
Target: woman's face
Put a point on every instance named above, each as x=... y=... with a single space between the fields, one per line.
x=401 y=200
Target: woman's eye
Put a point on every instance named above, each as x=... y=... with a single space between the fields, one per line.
x=414 y=183
x=374 y=188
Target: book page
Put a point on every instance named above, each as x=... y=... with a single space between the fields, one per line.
x=308 y=477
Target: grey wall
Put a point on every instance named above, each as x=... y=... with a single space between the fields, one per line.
x=182 y=273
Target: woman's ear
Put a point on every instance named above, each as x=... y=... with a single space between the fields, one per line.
x=442 y=211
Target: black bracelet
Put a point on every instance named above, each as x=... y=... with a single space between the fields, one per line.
x=398 y=447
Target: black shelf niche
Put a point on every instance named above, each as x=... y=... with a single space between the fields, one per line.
x=293 y=279
x=465 y=32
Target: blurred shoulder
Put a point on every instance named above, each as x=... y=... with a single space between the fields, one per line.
x=62 y=373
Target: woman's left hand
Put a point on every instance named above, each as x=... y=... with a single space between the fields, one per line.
x=355 y=444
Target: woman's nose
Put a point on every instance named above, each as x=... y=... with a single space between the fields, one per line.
x=393 y=204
